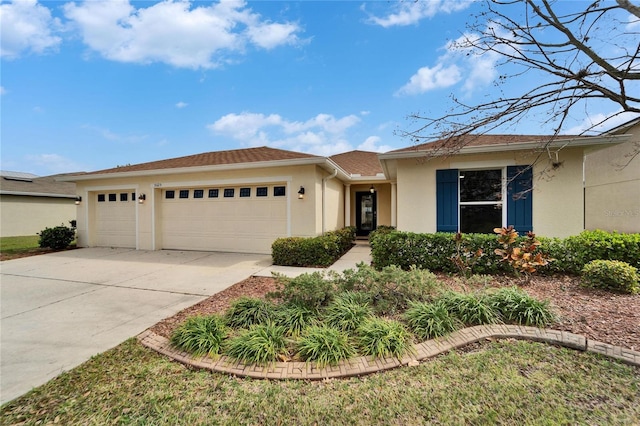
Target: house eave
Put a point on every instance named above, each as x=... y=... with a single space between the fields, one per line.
x=37 y=194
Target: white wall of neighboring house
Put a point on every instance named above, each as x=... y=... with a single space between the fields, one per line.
x=612 y=185
x=22 y=215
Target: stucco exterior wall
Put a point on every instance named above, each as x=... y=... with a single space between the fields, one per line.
x=334 y=204
x=612 y=186
x=302 y=215
x=24 y=215
x=557 y=195
x=383 y=202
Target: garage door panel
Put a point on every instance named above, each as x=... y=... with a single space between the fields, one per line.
x=115 y=224
x=240 y=224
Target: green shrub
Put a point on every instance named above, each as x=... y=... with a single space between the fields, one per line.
x=516 y=306
x=470 y=309
x=324 y=346
x=318 y=251
x=57 y=238
x=430 y=320
x=345 y=313
x=310 y=290
x=611 y=275
x=390 y=289
x=200 y=335
x=246 y=311
x=261 y=344
x=294 y=318
x=381 y=338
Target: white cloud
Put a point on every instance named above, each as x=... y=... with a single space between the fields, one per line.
x=181 y=105
x=176 y=32
x=633 y=23
x=323 y=134
x=599 y=123
x=412 y=12
x=26 y=27
x=426 y=79
x=372 y=143
x=53 y=164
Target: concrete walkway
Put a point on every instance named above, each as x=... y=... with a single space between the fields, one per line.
x=58 y=310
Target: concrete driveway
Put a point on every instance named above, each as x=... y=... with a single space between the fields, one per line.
x=60 y=309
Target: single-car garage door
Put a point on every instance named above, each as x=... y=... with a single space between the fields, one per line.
x=115 y=219
x=237 y=219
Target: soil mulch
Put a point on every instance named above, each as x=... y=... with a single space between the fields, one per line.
x=599 y=315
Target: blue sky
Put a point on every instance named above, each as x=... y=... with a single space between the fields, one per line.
x=90 y=85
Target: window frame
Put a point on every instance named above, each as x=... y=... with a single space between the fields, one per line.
x=501 y=202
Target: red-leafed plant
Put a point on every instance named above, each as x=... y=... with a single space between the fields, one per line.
x=522 y=256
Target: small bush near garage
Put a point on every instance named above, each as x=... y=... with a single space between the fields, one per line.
x=611 y=275
x=310 y=290
x=318 y=251
x=200 y=335
x=57 y=238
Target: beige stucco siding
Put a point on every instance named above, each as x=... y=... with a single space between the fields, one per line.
x=557 y=195
x=383 y=202
x=301 y=214
x=612 y=186
x=26 y=215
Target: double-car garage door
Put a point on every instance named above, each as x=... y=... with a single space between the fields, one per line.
x=242 y=218
x=237 y=219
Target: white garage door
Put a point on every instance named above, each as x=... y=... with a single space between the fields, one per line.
x=115 y=220
x=238 y=219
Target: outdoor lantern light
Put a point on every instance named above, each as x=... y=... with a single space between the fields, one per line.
x=78 y=200
x=141 y=198
x=301 y=193
x=372 y=189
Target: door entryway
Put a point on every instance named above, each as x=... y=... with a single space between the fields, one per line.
x=365 y=213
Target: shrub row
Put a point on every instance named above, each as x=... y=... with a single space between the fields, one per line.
x=318 y=251
x=435 y=251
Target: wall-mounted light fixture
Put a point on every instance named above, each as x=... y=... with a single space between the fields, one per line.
x=372 y=189
x=301 y=193
x=78 y=200
x=141 y=198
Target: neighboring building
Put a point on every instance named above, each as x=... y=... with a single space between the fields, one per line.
x=29 y=204
x=612 y=183
x=242 y=200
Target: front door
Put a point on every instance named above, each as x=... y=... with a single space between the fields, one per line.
x=365 y=213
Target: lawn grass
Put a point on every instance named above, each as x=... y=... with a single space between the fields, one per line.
x=504 y=382
x=23 y=244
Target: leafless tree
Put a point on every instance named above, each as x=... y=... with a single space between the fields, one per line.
x=584 y=57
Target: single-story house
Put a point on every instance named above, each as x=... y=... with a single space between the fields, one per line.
x=242 y=200
x=29 y=204
x=612 y=183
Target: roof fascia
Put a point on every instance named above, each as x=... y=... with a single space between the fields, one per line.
x=198 y=169
x=524 y=146
x=36 y=194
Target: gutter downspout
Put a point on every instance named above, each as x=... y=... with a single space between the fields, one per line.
x=324 y=196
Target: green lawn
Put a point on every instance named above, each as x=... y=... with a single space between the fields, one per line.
x=16 y=245
x=505 y=382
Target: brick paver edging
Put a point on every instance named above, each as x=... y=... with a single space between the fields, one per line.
x=365 y=365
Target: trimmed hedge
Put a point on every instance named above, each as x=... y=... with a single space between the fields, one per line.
x=434 y=251
x=318 y=251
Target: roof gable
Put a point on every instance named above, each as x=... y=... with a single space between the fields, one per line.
x=363 y=163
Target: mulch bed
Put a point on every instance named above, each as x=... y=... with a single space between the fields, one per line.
x=599 y=315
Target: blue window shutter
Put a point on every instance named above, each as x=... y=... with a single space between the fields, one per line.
x=520 y=198
x=447 y=200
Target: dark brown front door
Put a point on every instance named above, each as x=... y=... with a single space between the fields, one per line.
x=365 y=213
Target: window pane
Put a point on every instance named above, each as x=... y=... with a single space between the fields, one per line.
x=170 y=194
x=133 y=196
x=480 y=185
x=261 y=191
x=184 y=193
x=279 y=191
x=198 y=193
x=229 y=192
x=113 y=197
x=213 y=193
x=101 y=198
x=480 y=219
x=124 y=197
x=245 y=192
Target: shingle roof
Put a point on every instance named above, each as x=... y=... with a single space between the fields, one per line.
x=37 y=186
x=455 y=143
x=363 y=163
x=216 y=158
